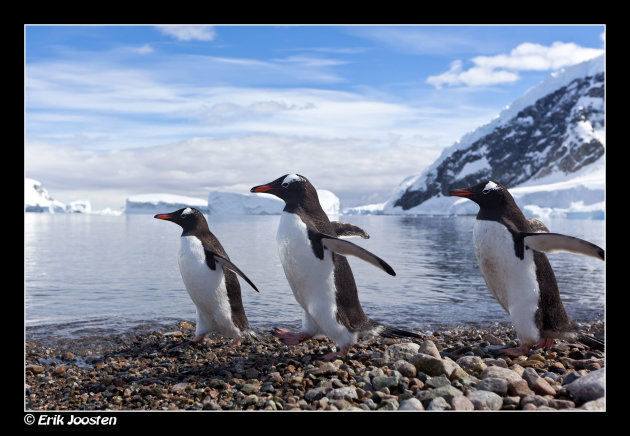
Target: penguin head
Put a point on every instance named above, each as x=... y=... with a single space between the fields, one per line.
x=292 y=188
x=487 y=194
x=187 y=217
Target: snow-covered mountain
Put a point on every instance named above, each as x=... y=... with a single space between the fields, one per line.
x=547 y=145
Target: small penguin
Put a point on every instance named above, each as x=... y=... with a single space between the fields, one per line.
x=314 y=262
x=210 y=279
x=510 y=250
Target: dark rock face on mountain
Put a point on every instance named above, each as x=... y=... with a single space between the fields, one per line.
x=558 y=132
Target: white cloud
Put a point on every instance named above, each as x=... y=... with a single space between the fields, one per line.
x=351 y=168
x=145 y=49
x=189 y=33
x=502 y=68
x=475 y=76
x=529 y=56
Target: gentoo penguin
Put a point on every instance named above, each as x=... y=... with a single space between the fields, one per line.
x=210 y=278
x=509 y=248
x=314 y=262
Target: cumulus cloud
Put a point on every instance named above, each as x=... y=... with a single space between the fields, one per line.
x=502 y=68
x=189 y=33
x=475 y=76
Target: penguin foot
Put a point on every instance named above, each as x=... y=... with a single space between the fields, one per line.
x=342 y=352
x=290 y=338
x=235 y=343
x=516 y=351
x=545 y=343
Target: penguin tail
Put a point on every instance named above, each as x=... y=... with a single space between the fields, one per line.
x=391 y=332
x=591 y=341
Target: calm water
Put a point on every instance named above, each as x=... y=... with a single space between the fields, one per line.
x=86 y=275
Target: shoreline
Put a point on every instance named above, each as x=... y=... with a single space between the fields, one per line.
x=456 y=368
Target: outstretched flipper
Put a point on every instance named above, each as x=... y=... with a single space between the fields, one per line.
x=550 y=242
x=214 y=258
x=322 y=241
x=347 y=230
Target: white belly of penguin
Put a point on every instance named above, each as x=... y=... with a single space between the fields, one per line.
x=206 y=288
x=511 y=280
x=311 y=280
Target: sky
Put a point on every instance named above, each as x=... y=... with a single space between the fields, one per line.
x=116 y=111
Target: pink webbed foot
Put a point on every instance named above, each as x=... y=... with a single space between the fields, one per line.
x=330 y=356
x=235 y=343
x=545 y=343
x=516 y=351
x=290 y=338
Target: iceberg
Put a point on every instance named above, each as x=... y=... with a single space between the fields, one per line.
x=230 y=203
x=162 y=202
x=37 y=199
x=79 y=206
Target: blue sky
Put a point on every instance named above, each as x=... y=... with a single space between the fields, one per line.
x=114 y=111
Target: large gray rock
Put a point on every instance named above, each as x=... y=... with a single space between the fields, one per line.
x=485 y=400
x=433 y=366
x=429 y=347
x=493 y=384
x=447 y=392
x=401 y=351
x=439 y=403
x=589 y=387
x=411 y=404
x=498 y=372
x=471 y=364
x=383 y=381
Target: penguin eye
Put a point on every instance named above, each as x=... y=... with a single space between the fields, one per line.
x=485 y=191
x=285 y=184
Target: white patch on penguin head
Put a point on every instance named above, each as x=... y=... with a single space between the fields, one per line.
x=290 y=178
x=490 y=186
x=187 y=211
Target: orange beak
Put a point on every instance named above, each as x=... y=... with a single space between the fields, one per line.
x=461 y=193
x=263 y=188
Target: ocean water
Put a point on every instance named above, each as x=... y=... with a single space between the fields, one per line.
x=90 y=275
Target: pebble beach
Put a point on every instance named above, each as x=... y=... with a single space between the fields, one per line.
x=450 y=369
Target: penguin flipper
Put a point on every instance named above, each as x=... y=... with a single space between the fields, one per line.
x=229 y=265
x=345 y=248
x=347 y=230
x=550 y=242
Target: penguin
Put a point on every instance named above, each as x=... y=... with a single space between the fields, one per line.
x=510 y=249
x=210 y=279
x=312 y=254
